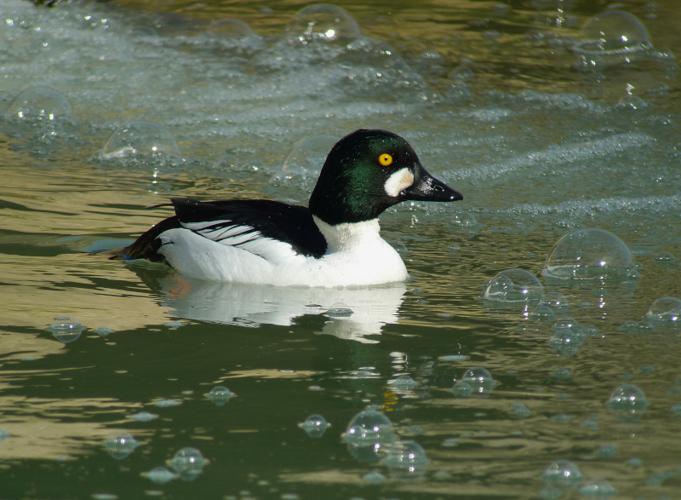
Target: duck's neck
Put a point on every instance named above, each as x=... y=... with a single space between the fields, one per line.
x=349 y=235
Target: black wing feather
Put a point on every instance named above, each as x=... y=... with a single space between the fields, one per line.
x=259 y=218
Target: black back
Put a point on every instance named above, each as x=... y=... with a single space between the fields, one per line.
x=263 y=218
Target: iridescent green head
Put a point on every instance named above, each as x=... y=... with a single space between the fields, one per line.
x=369 y=171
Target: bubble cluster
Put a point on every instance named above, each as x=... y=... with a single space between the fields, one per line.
x=120 y=446
x=65 y=329
x=219 y=395
x=665 y=313
x=405 y=458
x=627 y=400
x=592 y=255
x=479 y=379
x=314 y=426
x=188 y=463
x=322 y=23
x=513 y=288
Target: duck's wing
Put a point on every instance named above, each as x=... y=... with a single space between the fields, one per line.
x=266 y=228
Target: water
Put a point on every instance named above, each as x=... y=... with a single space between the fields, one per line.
x=109 y=109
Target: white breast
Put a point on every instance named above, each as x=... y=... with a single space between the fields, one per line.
x=356 y=256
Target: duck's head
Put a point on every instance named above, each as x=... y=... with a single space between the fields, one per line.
x=369 y=171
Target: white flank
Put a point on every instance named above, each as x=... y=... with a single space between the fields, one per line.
x=398 y=182
x=356 y=256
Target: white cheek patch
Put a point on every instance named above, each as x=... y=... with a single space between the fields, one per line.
x=398 y=182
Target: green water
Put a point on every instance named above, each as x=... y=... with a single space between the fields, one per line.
x=531 y=169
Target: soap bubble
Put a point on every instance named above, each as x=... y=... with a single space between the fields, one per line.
x=307 y=155
x=461 y=78
x=143 y=416
x=39 y=104
x=590 y=255
x=635 y=327
x=104 y=331
x=598 y=488
x=465 y=222
x=515 y=288
x=167 y=403
x=369 y=427
x=338 y=310
x=314 y=426
x=403 y=382
x=542 y=312
x=627 y=400
x=611 y=38
x=462 y=389
x=232 y=28
x=450 y=442
x=322 y=23
x=556 y=12
x=665 y=312
x=4 y=434
x=480 y=380
x=556 y=301
x=66 y=330
x=562 y=374
x=568 y=336
x=120 y=446
x=219 y=395
x=160 y=475
x=569 y=325
x=374 y=477
x=405 y=458
x=140 y=141
x=520 y=410
x=367 y=434
x=562 y=474
x=188 y=463
x=607 y=451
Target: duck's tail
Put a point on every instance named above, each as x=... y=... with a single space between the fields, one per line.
x=147 y=245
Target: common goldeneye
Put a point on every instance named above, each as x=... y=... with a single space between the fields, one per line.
x=333 y=243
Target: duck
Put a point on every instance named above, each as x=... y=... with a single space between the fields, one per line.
x=333 y=242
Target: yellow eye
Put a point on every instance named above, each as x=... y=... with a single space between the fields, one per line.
x=385 y=159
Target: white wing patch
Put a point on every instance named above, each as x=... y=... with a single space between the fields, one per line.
x=243 y=237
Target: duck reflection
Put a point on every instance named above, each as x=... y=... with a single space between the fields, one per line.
x=347 y=313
